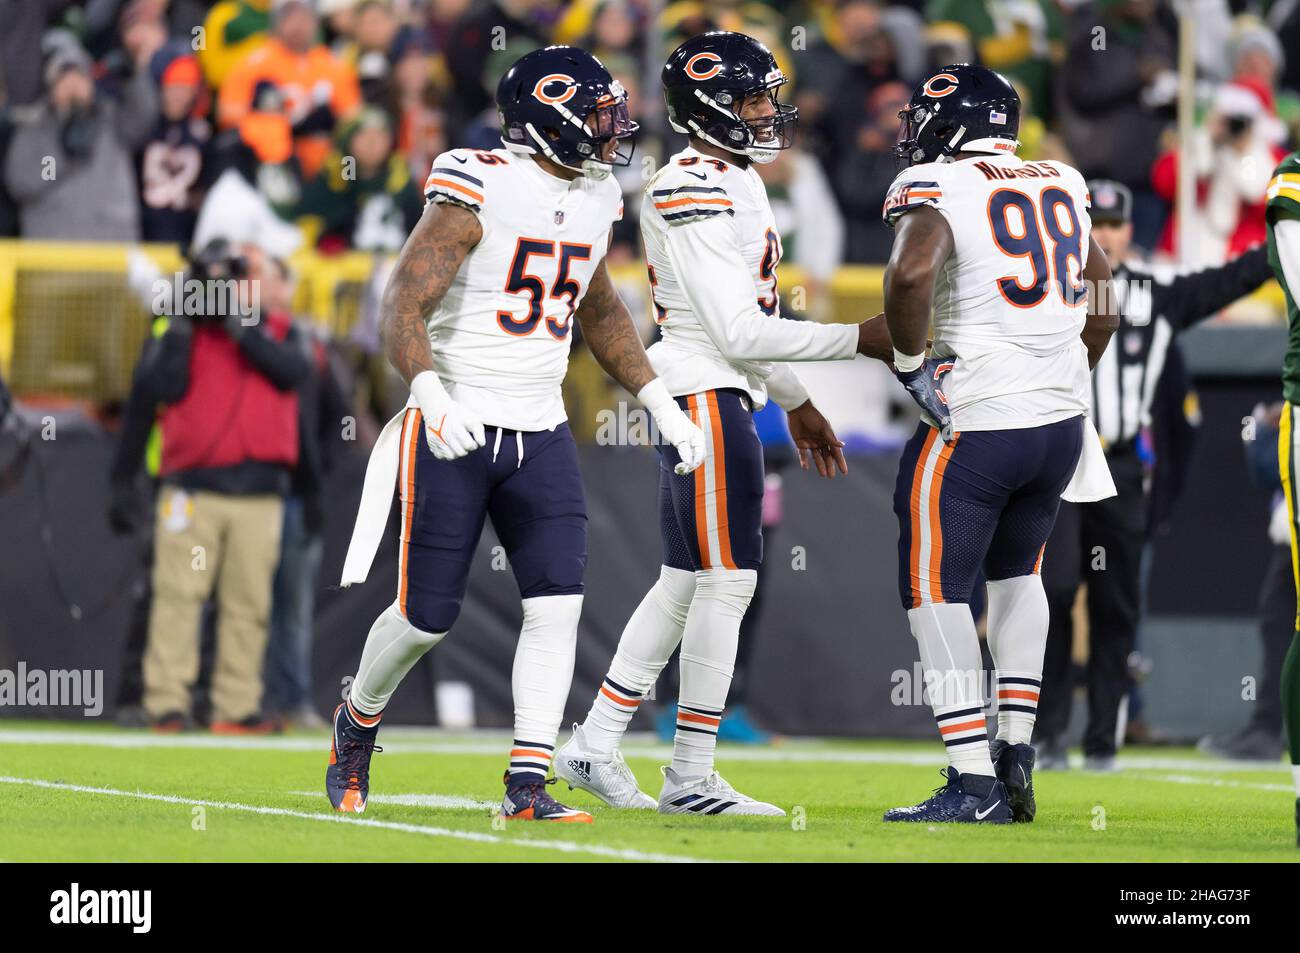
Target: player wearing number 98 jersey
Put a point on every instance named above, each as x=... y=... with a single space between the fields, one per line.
x=478 y=317
x=999 y=251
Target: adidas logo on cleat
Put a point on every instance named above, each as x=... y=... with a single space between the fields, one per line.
x=582 y=769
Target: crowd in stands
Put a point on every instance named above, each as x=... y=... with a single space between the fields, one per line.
x=314 y=121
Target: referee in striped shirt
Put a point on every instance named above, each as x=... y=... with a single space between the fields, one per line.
x=1101 y=543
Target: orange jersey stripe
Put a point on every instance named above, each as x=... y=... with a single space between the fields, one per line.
x=698 y=719
x=720 y=483
x=454 y=185
x=964 y=726
x=692 y=201
x=914 y=561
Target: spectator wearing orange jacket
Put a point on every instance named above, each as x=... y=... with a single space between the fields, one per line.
x=318 y=89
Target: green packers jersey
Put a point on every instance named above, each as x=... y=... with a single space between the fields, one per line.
x=1284 y=202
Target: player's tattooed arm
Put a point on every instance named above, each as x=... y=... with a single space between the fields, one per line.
x=922 y=243
x=608 y=329
x=1103 y=305
x=424 y=271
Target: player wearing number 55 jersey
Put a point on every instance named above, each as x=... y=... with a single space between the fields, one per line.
x=712 y=249
x=998 y=250
x=478 y=317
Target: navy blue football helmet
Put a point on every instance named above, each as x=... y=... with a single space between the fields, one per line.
x=561 y=102
x=709 y=76
x=960 y=108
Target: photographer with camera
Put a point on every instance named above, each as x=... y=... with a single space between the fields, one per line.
x=1233 y=156
x=227 y=379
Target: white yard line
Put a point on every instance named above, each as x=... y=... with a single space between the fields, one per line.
x=399 y=741
x=565 y=847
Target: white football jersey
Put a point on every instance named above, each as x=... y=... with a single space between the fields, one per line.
x=712 y=249
x=1009 y=305
x=501 y=334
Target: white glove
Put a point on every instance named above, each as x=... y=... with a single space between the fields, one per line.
x=674 y=426
x=451 y=429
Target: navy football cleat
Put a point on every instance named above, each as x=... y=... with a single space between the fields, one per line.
x=1014 y=766
x=347 y=779
x=964 y=799
x=527 y=800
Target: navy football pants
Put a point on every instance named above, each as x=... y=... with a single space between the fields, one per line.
x=987 y=500
x=712 y=517
x=527 y=482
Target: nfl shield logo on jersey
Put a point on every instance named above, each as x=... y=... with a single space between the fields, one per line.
x=559 y=217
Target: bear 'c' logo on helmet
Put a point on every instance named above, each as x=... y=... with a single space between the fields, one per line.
x=562 y=88
x=940 y=85
x=707 y=72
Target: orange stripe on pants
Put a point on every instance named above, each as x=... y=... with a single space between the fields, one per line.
x=410 y=435
x=720 y=484
x=936 y=524
x=914 y=512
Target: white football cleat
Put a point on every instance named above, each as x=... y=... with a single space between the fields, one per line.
x=708 y=795
x=605 y=775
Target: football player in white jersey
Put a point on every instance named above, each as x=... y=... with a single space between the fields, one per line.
x=712 y=250
x=477 y=318
x=999 y=251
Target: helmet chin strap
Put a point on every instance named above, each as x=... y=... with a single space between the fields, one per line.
x=751 y=150
x=951 y=147
x=591 y=168
x=697 y=130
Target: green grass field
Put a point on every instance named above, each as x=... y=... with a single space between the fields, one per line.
x=100 y=794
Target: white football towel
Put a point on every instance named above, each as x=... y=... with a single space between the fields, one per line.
x=376 y=500
x=1092 y=480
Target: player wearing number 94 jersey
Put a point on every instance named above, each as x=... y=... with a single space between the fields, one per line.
x=1000 y=251
x=477 y=317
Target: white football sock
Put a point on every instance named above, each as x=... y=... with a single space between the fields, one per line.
x=707 y=661
x=392 y=647
x=644 y=648
x=951 y=666
x=542 y=674
x=1017 y=624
